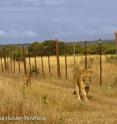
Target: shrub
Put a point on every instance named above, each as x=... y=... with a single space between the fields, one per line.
x=18 y=56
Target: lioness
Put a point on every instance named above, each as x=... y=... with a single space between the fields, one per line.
x=82 y=79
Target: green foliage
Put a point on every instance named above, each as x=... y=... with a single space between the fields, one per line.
x=49 y=48
x=36 y=48
x=109 y=48
x=43 y=48
x=17 y=55
x=69 y=48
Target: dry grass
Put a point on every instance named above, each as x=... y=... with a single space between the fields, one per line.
x=52 y=98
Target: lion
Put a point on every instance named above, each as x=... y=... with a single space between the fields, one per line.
x=82 y=79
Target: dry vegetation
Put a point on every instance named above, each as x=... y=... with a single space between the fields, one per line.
x=52 y=97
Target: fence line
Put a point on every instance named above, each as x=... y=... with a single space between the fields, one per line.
x=9 y=62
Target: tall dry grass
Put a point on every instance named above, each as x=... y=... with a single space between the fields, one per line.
x=52 y=97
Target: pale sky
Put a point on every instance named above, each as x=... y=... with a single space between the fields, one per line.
x=23 y=21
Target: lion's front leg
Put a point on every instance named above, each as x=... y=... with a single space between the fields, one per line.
x=78 y=92
x=84 y=94
x=87 y=88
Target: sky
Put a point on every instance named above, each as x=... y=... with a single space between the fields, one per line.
x=24 y=21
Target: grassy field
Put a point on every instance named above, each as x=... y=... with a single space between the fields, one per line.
x=52 y=98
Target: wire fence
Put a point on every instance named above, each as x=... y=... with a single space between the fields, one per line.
x=21 y=62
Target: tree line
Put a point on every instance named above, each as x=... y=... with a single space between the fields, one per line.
x=49 y=48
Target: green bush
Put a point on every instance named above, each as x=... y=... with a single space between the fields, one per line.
x=18 y=56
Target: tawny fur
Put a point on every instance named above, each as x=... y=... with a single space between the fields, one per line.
x=82 y=79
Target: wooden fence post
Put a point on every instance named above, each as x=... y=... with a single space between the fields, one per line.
x=11 y=55
x=24 y=59
x=29 y=59
x=4 y=55
x=65 y=60
x=19 y=64
x=49 y=67
x=14 y=61
x=7 y=58
x=116 y=42
x=36 y=65
x=100 y=46
x=85 y=54
x=74 y=54
x=1 y=64
x=42 y=66
x=57 y=56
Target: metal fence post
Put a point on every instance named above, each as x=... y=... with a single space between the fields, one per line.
x=100 y=46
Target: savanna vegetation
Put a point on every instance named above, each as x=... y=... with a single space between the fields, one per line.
x=51 y=97
x=48 y=48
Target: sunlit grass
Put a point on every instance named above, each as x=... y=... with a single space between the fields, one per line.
x=52 y=97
